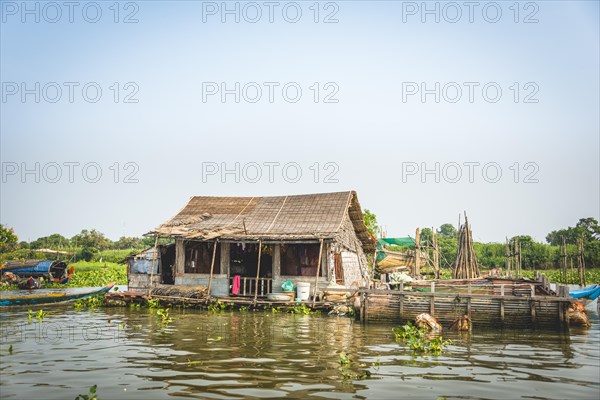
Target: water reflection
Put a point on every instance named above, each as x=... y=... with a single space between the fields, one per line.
x=130 y=354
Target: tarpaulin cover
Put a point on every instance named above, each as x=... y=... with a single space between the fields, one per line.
x=142 y=263
x=403 y=241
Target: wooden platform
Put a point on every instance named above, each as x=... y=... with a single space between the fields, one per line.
x=123 y=298
x=525 y=310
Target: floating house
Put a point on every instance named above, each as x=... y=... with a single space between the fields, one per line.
x=255 y=244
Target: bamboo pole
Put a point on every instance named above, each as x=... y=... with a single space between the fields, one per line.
x=436 y=255
x=417 y=270
x=508 y=257
x=564 y=260
x=318 y=272
x=212 y=267
x=153 y=260
x=257 y=271
x=580 y=262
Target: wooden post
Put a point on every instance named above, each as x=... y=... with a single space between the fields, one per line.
x=502 y=303
x=417 y=251
x=432 y=300
x=580 y=262
x=153 y=261
x=436 y=255
x=508 y=256
x=517 y=259
x=212 y=266
x=564 y=259
x=257 y=271
x=402 y=301
x=532 y=303
x=318 y=273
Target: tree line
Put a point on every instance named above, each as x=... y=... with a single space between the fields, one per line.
x=534 y=255
x=90 y=245
x=87 y=245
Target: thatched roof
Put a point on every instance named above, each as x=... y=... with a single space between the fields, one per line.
x=297 y=217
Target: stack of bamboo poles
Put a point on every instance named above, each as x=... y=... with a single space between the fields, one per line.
x=465 y=266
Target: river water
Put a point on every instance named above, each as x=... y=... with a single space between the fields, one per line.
x=129 y=354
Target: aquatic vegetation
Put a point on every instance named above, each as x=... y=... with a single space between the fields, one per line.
x=152 y=303
x=302 y=309
x=39 y=315
x=90 y=302
x=344 y=359
x=218 y=306
x=419 y=341
x=163 y=315
x=345 y=368
x=91 y=395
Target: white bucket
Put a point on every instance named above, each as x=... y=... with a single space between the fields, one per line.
x=303 y=290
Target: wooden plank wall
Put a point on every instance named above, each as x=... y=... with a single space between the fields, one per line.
x=502 y=310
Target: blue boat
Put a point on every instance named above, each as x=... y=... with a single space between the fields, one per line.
x=590 y=292
x=45 y=296
x=55 y=271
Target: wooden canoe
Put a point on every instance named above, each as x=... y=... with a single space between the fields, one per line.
x=45 y=296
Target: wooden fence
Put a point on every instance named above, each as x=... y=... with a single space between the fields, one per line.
x=508 y=306
x=248 y=286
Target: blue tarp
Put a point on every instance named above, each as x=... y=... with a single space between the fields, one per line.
x=142 y=263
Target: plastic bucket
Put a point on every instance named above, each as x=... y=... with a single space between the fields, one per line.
x=303 y=290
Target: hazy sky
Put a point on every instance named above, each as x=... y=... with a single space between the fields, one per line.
x=425 y=109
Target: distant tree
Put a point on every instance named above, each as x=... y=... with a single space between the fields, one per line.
x=148 y=241
x=125 y=242
x=8 y=239
x=53 y=241
x=87 y=253
x=590 y=228
x=586 y=228
x=426 y=235
x=448 y=230
x=371 y=223
x=91 y=239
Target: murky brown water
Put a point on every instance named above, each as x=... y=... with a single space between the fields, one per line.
x=256 y=354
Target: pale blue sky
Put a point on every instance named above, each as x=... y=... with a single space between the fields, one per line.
x=369 y=133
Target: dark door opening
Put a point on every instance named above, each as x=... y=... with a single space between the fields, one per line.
x=244 y=260
x=167 y=264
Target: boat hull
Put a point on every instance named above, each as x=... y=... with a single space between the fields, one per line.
x=26 y=297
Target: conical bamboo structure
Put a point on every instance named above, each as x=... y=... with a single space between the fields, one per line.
x=465 y=266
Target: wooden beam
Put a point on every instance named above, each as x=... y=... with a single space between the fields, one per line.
x=257 y=271
x=318 y=272
x=417 y=251
x=153 y=260
x=212 y=267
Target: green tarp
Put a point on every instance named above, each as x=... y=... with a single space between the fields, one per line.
x=404 y=241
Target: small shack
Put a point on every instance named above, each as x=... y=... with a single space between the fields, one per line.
x=258 y=243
